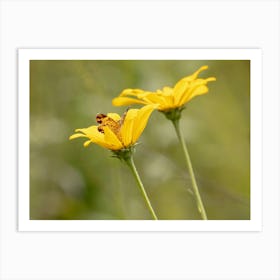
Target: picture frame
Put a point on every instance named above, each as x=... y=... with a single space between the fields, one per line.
x=139 y=255
x=26 y=56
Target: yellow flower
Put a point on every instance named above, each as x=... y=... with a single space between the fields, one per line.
x=168 y=98
x=114 y=132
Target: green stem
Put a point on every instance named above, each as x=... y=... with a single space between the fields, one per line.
x=131 y=164
x=199 y=202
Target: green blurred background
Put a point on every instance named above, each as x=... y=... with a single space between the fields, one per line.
x=68 y=181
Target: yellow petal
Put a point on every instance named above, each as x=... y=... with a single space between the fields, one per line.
x=196 y=73
x=125 y=101
x=211 y=79
x=140 y=121
x=167 y=94
x=92 y=133
x=167 y=91
x=131 y=92
x=116 y=117
x=137 y=93
x=111 y=140
x=76 y=135
x=203 y=89
x=179 y=97
x=182 y=86
x=192 y=90
x=164 y=101
x=87 y=143
x=128 y=126
x=154 y=98
x=95 y=136
x=180 y=90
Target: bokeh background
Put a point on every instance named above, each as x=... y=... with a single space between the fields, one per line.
x=68 y=181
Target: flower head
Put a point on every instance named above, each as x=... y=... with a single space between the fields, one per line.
x=168 y=98
x=115 y=132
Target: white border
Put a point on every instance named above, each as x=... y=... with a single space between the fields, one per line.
x=254 y=55
x=139 y=24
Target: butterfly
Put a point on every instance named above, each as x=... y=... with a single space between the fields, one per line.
x=115 y=126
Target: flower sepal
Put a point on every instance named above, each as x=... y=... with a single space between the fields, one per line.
x=124 y=154
x=173 y=114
